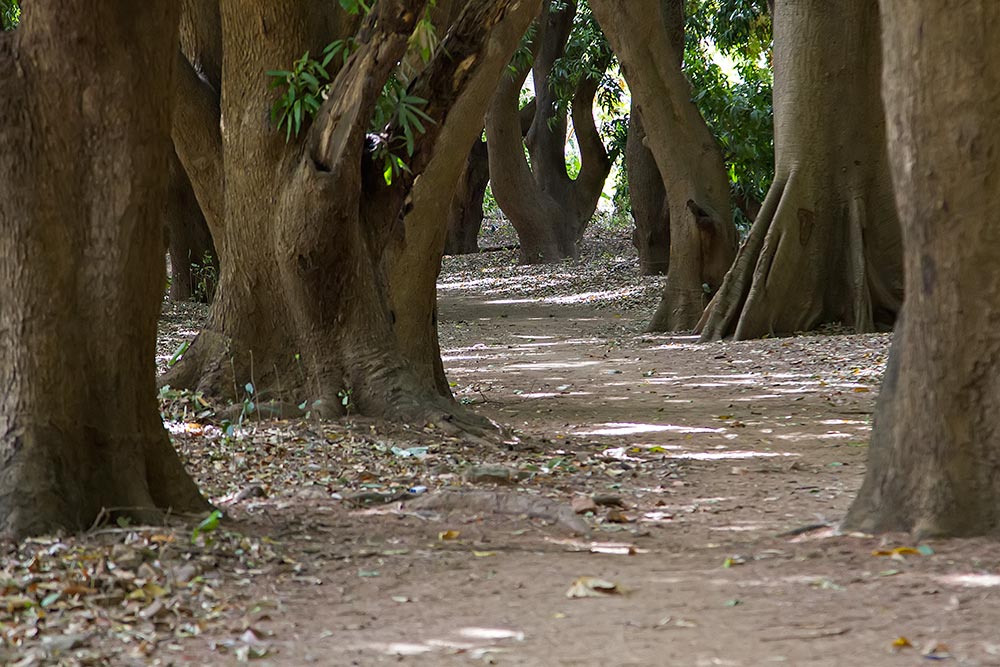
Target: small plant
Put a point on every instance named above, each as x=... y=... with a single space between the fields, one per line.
x=345 y=400
x=182 y=405
x=248 y=403
x=205 y=277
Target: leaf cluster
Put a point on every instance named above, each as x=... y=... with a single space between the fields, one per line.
x=10 y=14
x=306 y=85
x=587 y=56
x=398 y=117
x=738 y=109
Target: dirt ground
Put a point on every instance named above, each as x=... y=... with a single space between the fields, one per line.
x=698 y=486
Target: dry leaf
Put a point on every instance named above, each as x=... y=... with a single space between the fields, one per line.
x=592 y=587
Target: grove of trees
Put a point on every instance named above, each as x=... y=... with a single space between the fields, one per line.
x=309 y=163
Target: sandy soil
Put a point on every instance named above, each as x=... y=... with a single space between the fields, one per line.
x=708 y=481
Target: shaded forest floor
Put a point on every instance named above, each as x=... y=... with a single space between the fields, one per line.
x=680 y=474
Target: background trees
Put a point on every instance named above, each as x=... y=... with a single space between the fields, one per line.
x=549 y=208
x=647 y=39
x=825 y=247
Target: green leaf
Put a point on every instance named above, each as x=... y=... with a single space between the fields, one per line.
x=179 y=353
x=207 y=525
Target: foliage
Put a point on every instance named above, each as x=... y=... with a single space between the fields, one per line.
x=205 y=278
x=398 y=117
x=10 y=14
x=307 y=84
x=737 y=107
x=587 y=56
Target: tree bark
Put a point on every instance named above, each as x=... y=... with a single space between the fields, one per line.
x=548 y=209
x=465 y=218
x=703 y=239
x=302 y=309
x=826 y=245
x=413 y=262
x=85 y=110
x=648 y=199
x=934 y=463
x=194 y=264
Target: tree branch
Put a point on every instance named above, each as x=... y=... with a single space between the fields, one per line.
x=198 y=139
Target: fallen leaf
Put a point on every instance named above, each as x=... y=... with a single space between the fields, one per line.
x=448 y=535
x=592 y=587
x=936 y=651
x=583 y=504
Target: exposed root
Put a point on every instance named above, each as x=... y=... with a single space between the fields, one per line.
x=806 y=262
x=503 y=502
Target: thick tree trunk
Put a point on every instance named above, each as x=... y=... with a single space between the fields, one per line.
x=934 y=462
x=413 y=262
x=465 y=218
x=547 y=208
x=201 y=39
x=648 y=199
x=85 y=121
x=703 y=238
x=194 y=264
x=302 y=309
x=826 y=246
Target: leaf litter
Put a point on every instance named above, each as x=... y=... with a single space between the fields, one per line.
x=147 y=595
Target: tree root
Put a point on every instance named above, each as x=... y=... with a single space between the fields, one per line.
x=503 y=502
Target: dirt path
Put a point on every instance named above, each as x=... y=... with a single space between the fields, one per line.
x=713 y=451
x=358 y=543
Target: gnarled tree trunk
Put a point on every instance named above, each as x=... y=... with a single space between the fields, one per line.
x=85 y=120
x=934 y=461
x=413 y=260
x=648 y=199
x=825 y=247
x=647 y=38
x=302 y=308
x=548 y=209
x=465 y=218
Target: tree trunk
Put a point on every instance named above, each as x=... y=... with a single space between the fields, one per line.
x=826 y=245
x=466 y=215
x=302 y=309
x=413 y=262
x=85 y=114
x=645 y=36
x=933 y=466
x=194 y=264
x=548 y=209
x=648 y=199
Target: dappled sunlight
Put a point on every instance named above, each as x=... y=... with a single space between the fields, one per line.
x=552 y=365
x=743 y=527
x=735 y=455
x=971 y=580
x=475 y=642
x=616 y=428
